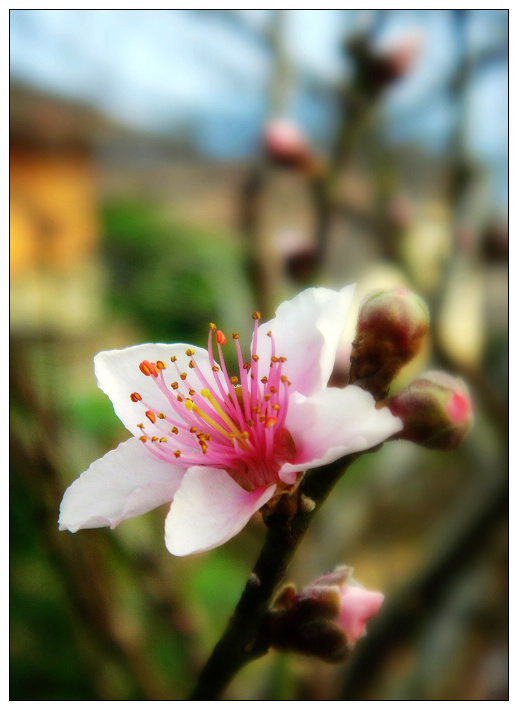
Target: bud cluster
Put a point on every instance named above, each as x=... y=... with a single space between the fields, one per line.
x=435 y=409
x=326 y=619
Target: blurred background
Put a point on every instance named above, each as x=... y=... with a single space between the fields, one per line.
x=175 y=167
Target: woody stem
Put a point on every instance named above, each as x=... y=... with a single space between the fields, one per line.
x=245 y=637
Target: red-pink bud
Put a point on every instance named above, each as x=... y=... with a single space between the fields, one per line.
x=286 y=144
x=436 y=411
x=326 y=619
x=390 y=330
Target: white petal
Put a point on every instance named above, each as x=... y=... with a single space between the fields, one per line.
x=123 y=484
x=307 y=331
x=335 y=422
x=209 y=508
x=118 y=375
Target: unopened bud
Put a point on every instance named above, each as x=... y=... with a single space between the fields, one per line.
x=390 y=330
x=326 y=619
x=436 y=411
x=379 y=66
x=287 y=145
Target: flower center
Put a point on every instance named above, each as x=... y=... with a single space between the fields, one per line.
x=235 y=423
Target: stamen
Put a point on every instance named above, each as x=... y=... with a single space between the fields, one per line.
x=151 y=416
x=135 y=397
x=148 y=368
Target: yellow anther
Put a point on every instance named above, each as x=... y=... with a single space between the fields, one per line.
x=191 y=364
x=189 y=404
x=154 y=438
x=140 y=426
x=174 y=385
x=163 y=440
x=212 y=326
x=143 y=439
x=160 y=365
x=173 y=358
x=189 y=352
x=255 y=358
x=234 y=380
x=174 y=430
x=177 y=453
x=193 y=430
x=215 y=368
x=183 y=376
x=256 y=315
x=235 y=336
x=161 y=415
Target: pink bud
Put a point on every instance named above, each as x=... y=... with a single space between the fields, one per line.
x=390 y=330
x=326 y=619
x=436 y=411
x=401 y=54
x=286 y=144
x=358 y=606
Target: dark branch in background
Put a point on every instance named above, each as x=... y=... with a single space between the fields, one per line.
x=404 y=613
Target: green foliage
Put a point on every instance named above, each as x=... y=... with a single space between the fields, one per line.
x=169 y=278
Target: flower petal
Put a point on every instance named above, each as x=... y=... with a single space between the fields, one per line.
x=307 y=331
x=358 y=606
x=118 y=375
x=335 y=422
x=125 y=483
x=209 y=509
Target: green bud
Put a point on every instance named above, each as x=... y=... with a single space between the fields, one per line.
x=436 y=411
x=390 y=330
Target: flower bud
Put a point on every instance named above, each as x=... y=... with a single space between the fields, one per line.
x=326 y=619
x=435 y=409
x=287 y=145
x=390 y=329
x=380 y=65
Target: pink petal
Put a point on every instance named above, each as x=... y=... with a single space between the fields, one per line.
x=358 y=606
x=123 y=484
x=335 y=422
x=209 y=508
x=307 y=331
x=118 y=375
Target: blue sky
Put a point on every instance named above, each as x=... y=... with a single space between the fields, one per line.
x=160 y=70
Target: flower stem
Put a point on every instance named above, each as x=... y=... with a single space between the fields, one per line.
x=245 y=637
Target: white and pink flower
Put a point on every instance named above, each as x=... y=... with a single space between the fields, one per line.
x=218 y=447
